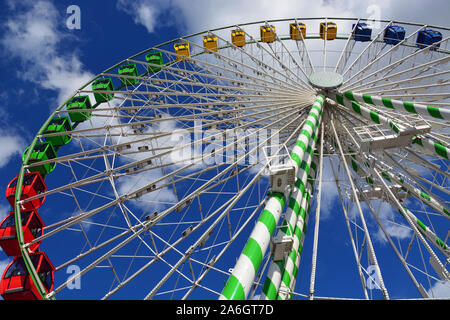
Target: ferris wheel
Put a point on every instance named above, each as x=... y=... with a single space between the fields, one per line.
x=204 y=167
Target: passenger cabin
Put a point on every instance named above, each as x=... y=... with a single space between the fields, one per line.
x=328 y=30
x=129 y=69
x=104 y=84
x=42 y=151
x=268 y=34
x=297 y=31
x=210 y=43
x=361 y=32
x=75 y=108
x=427 y=38
x=182 y=50
x=17 y=284
x=58 y=126
x=154 y=57
x=238 y=37
x=32 y=227
x=393 y=35
x=32 y=185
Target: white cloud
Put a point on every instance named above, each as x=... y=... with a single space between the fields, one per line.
x=330 y=204
x=34 y=37
x=218 y=14
x=163 y=197
x=393 y=227
x=3 y=264
x=393 y=230
x=441 y=289
x=4 y=210
x=194 y=16
x=150 y=14
x=12 y=145
x=201 y=15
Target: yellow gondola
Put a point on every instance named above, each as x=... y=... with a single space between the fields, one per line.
x=182 y=49
x=238 y=37
x=267 y=33
x=210 y=43
x=297 y=31
x=328 y=29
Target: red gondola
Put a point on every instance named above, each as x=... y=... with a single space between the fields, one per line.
x=32 y=227
x=33 y=184
x=16 y=283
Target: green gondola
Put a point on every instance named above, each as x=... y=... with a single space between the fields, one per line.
x=104 y=84
x=59 y=125
x=42 y=151
x=79 y=103
x=128 y=69
x=154 y=57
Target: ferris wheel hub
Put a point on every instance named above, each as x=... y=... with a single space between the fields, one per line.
x=326 y=80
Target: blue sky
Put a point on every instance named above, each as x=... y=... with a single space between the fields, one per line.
x=43 y=62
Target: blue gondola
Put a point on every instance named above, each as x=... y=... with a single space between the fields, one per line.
x=394 y=34
x=362 y=32
x=428 y=37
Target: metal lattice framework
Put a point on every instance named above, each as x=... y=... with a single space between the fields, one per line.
x=169 y=189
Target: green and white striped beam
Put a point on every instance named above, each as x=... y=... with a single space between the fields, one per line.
x=416 y=108
x=399 y=179
x=247 y=266
x=308 y=128
x=289 y=273
x=274 y=274
x=426 y=231
x=368 y=114
x=294 y=212
x=433 y=147
x=427 y=199
x=292 y=263
x=428 y=144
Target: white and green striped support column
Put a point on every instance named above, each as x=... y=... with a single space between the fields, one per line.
x=350 y=99
x=298 y=256
x=311 y=122
x=368 y=114
x=289 y=273
x=426 y=231
x=429 y=200
x=399 y=179
x=275 y=272
x=434 y=147
x=416 y=108
x=430 y=235
x=292 y=263
x=247 y=266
